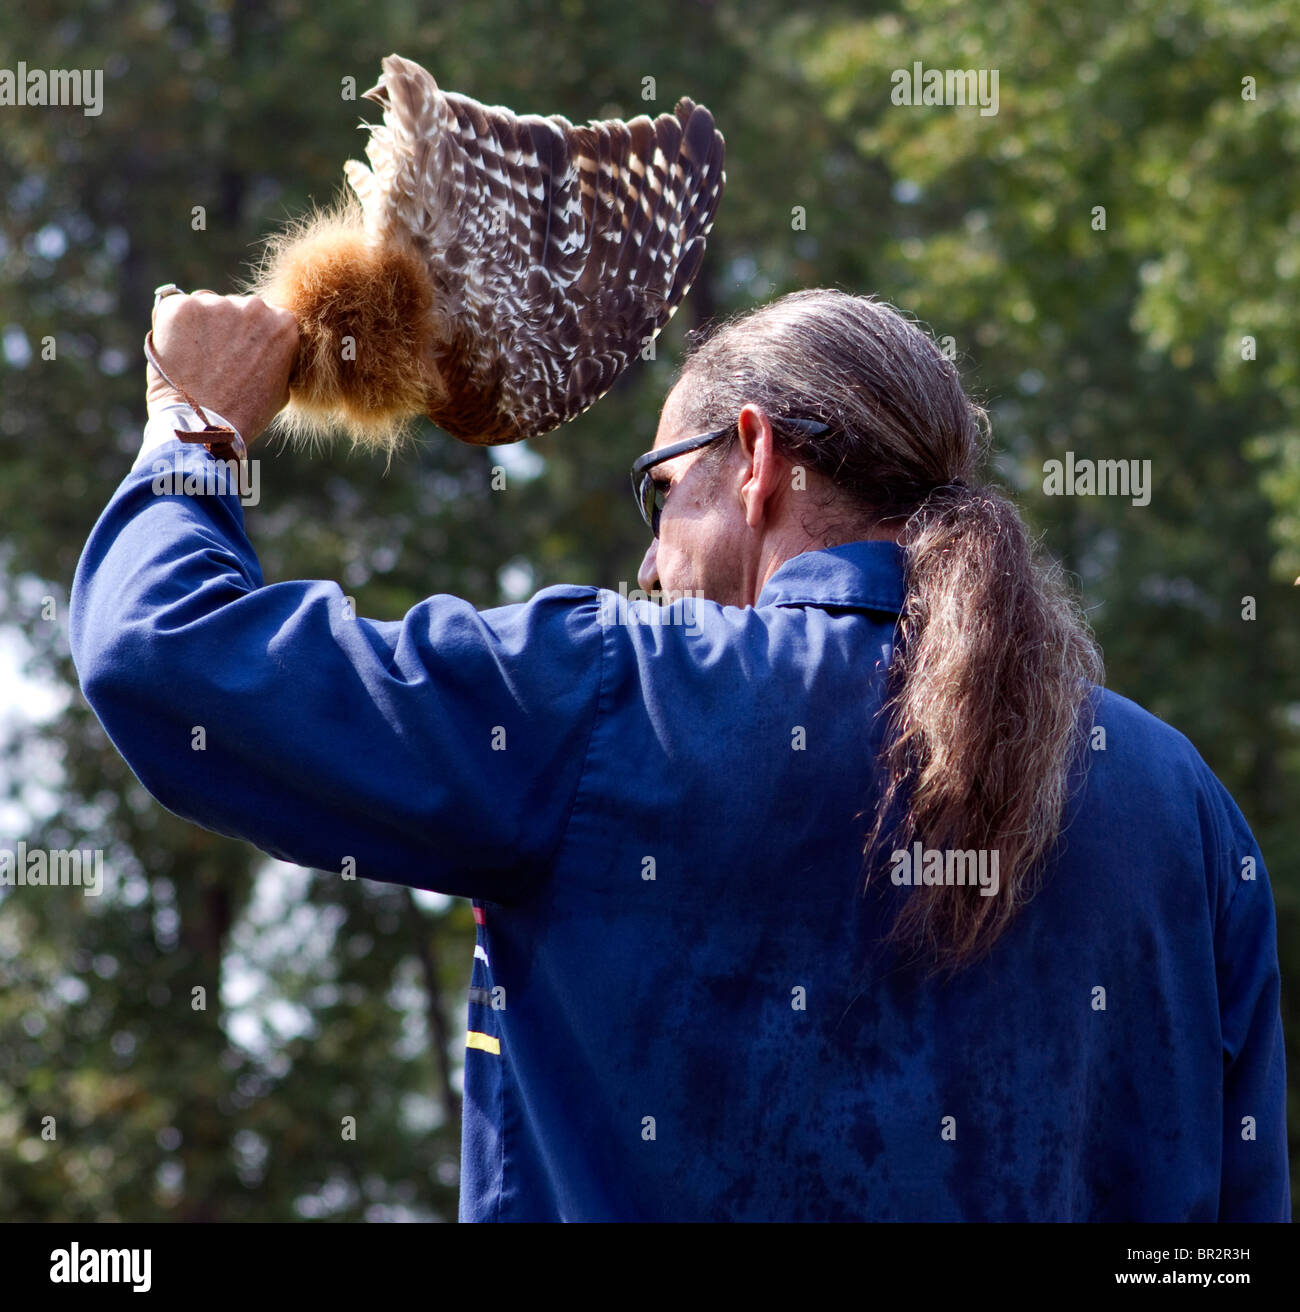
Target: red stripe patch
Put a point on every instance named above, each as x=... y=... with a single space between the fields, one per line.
x=478 y=916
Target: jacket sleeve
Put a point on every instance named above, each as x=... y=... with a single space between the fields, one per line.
x=1255 y=1183
x=443 y=751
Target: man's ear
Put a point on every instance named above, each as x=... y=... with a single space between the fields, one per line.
x=762 y=477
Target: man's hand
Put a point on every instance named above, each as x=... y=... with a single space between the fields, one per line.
x=233 y=353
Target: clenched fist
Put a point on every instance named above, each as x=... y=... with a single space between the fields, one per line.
x=231 y=353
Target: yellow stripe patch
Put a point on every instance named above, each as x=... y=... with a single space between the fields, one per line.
x=488 y=1042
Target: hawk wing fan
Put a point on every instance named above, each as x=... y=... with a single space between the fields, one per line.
x=556 y=252
x=495 y=271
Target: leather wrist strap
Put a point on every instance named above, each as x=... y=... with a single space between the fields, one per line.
x=224 y=443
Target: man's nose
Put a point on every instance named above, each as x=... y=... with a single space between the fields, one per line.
x=648 y=575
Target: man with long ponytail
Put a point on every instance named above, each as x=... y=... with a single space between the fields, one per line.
x=836 y=888
x=842 y=422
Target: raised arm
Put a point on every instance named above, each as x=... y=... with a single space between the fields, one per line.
x=441 y=751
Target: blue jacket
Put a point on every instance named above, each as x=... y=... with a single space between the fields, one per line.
x=679 y=1006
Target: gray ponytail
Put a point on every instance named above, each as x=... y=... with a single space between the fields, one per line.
x=993 y=661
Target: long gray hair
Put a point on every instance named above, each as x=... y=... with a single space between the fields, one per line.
x=993 y=661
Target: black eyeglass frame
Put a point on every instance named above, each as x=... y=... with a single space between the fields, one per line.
x=643 y=484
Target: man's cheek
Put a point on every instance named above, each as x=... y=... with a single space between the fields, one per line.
x=676 y=569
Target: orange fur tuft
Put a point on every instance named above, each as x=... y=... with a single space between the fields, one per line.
x=338 y=284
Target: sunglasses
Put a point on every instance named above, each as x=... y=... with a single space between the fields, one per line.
x=650 y=495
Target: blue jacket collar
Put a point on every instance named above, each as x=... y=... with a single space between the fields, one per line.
x=866 y=575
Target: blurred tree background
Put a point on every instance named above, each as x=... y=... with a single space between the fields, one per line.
x=1181 y=118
